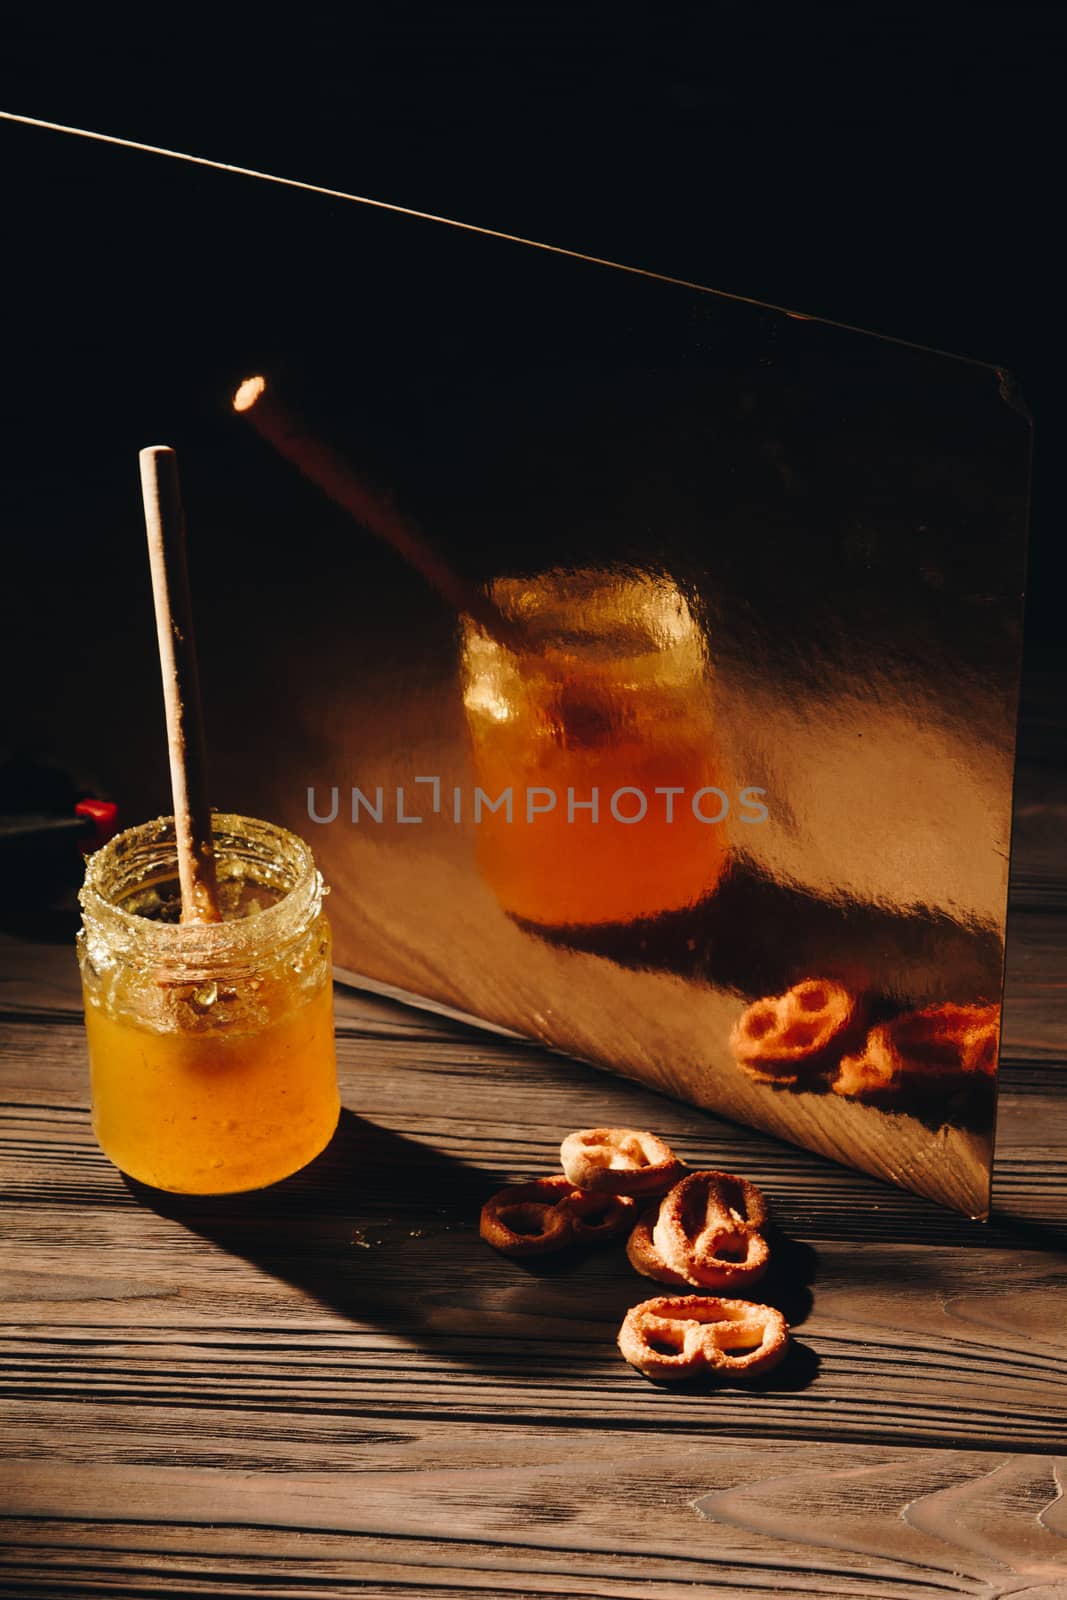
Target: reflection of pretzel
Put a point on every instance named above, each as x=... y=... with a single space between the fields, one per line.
x=534 y=1218
x=679 y=1336
x=776 y=1038
x=923 y=1047
x=619 y=1161
x=706 y=1232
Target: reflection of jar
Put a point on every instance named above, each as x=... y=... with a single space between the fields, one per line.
x=602 y=732
x=211 y=1046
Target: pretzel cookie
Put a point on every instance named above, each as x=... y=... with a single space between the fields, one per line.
x=643 y=1255
x=619 y=1161
x=781 y=1036
x=528 y=1219
x=923 y=1047
x=708 y=1231
x=705 y=1233
x=674 y=1337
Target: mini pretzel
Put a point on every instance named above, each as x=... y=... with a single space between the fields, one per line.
x=619 y=1161
x=778 y=1037
x=643 y=1255
x=707 y=1231
x=528 y=1219
x=940 y=1042
x=599 y=1216
x=679 y=1336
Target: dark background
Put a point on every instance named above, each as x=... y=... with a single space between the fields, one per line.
x=897 y=169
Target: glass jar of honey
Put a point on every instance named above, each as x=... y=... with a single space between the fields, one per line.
x=211 y=1046
x=597 y=727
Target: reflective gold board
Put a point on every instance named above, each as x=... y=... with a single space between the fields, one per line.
x=728 y=807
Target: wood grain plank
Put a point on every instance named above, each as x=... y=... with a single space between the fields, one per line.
x=527 y=1514
x=925 y=1367
x=178 y=1302
x=1038 y=877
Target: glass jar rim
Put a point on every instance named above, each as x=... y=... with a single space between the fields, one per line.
x=200 y=948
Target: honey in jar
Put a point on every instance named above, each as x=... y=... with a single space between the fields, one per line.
x=211 y=1046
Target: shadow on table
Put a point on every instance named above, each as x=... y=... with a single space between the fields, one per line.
x=383 y=1229
x=1028 y=1232
x=610 y=1286
x=346 y=1229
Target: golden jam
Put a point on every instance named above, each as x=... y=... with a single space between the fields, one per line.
x=211 y=1047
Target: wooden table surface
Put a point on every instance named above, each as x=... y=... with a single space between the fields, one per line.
x=335 y=1388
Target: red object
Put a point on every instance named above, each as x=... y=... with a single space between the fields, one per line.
x=103 y=814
